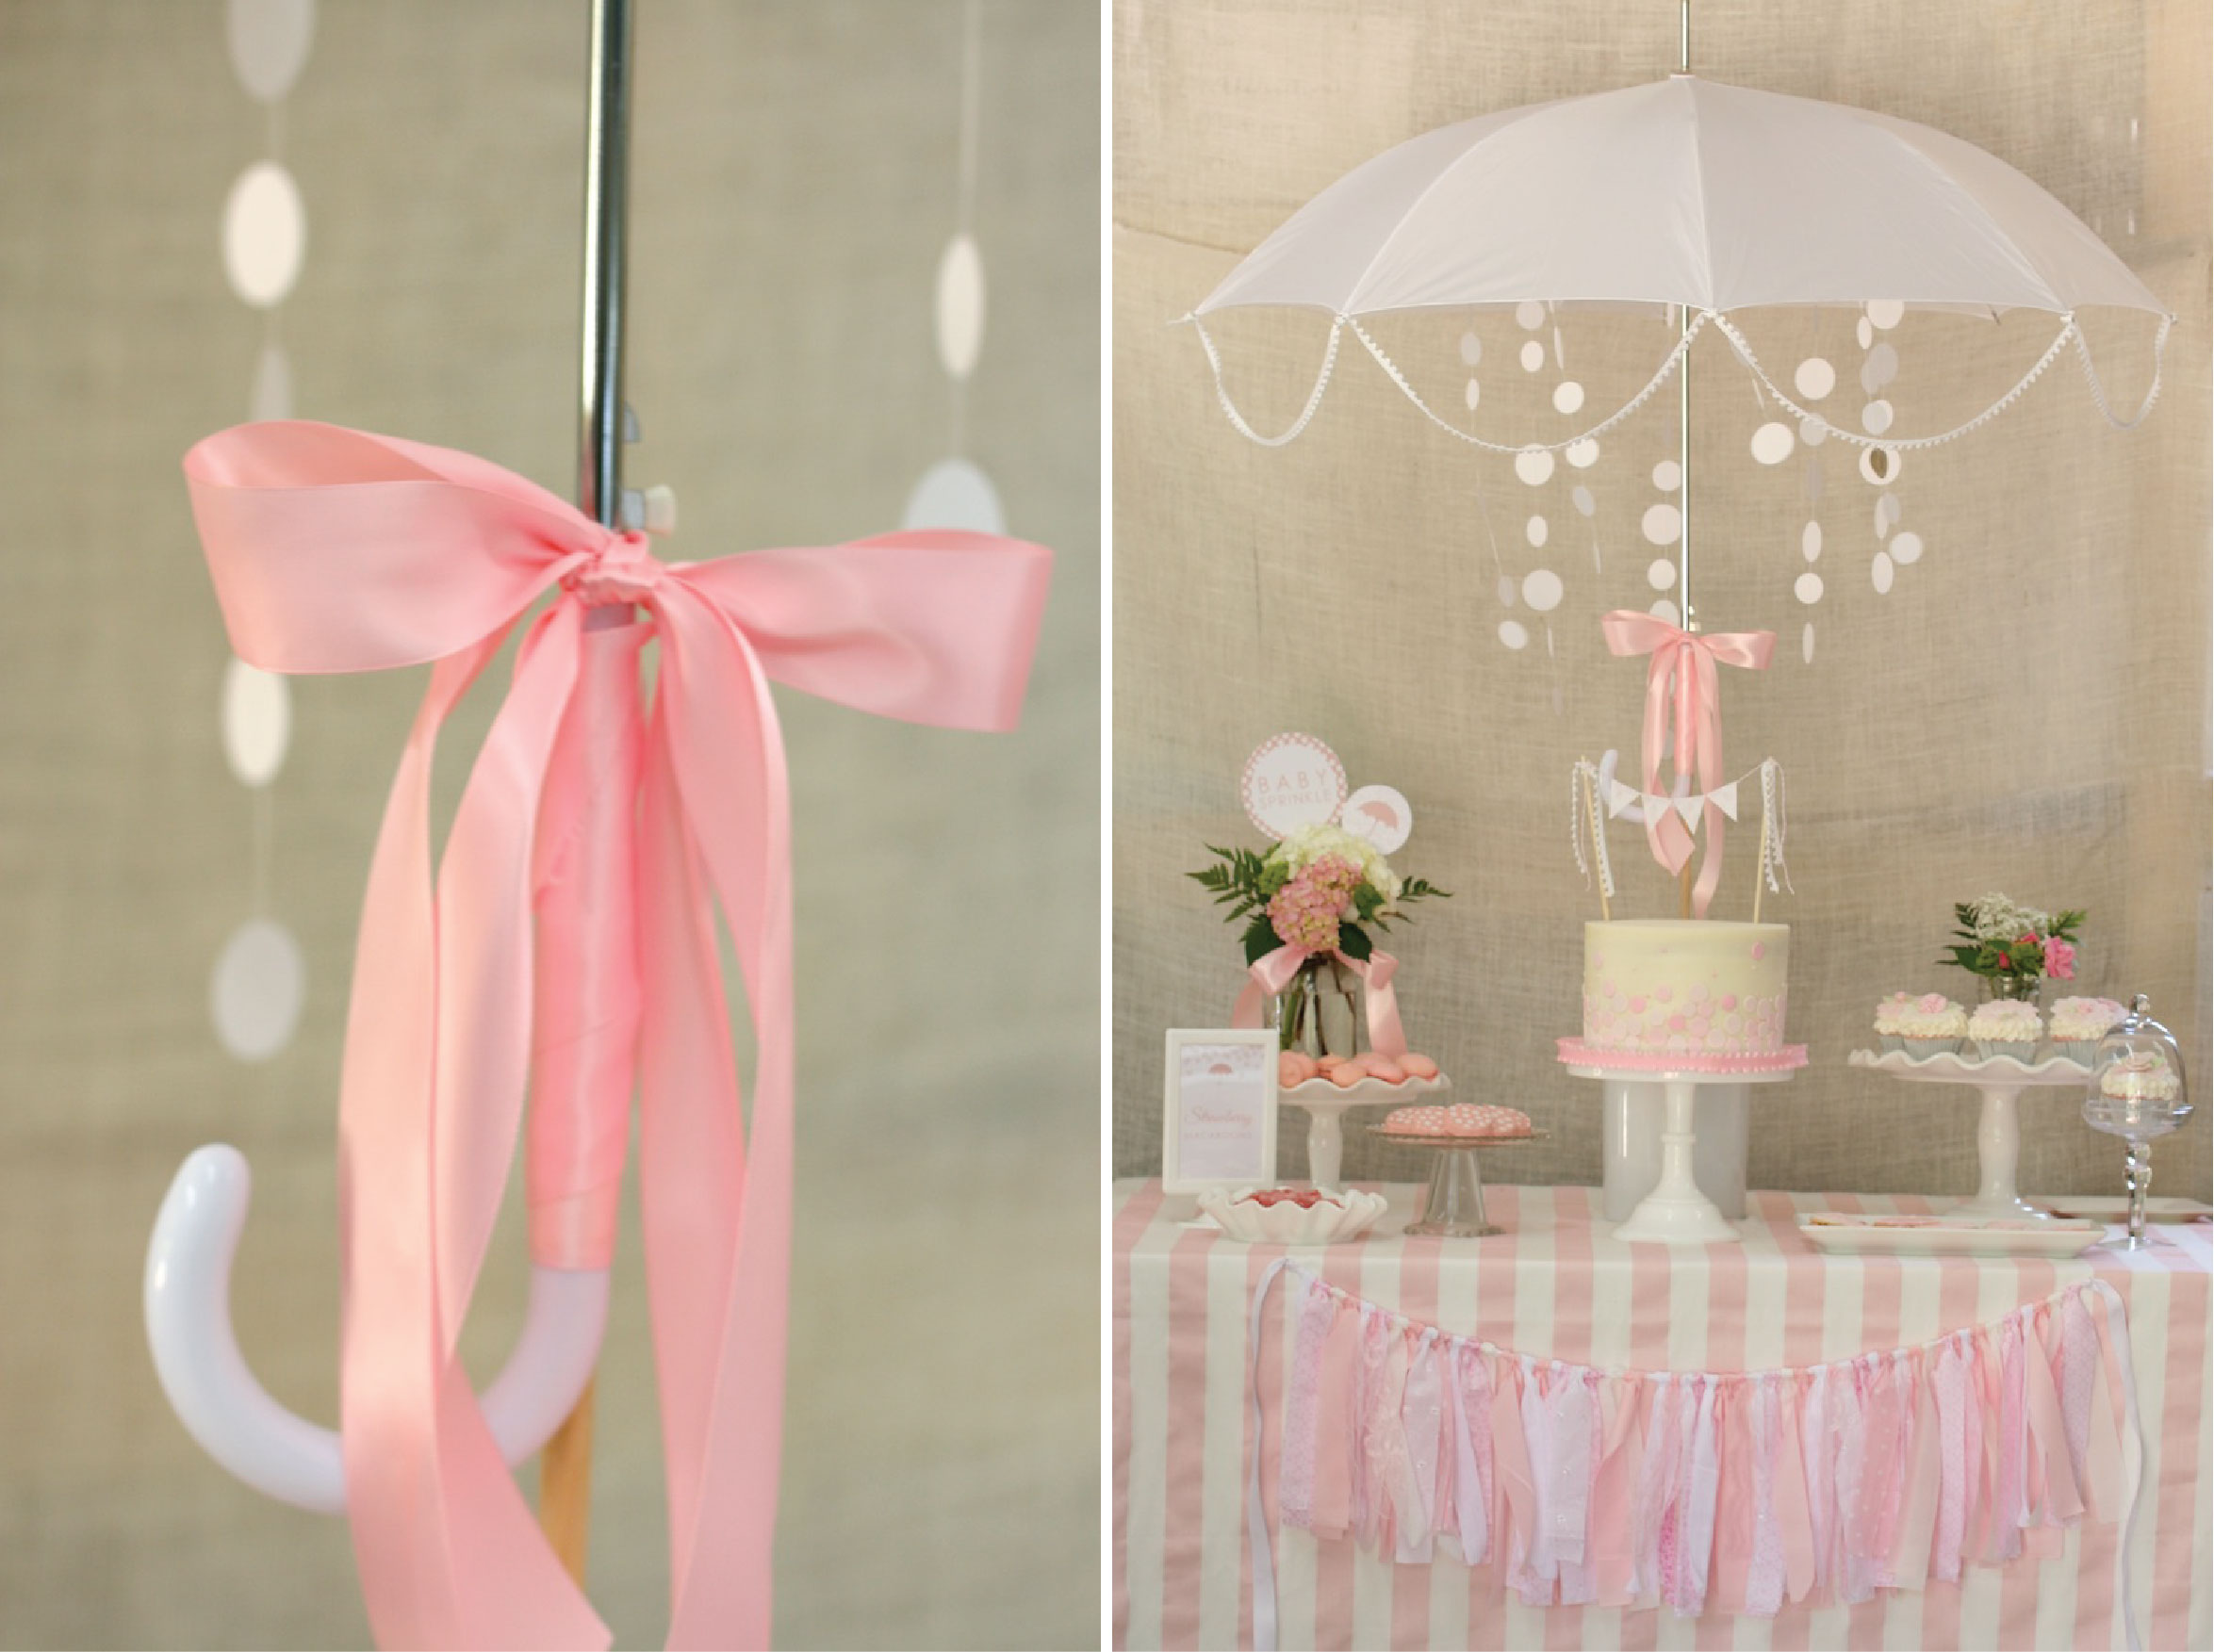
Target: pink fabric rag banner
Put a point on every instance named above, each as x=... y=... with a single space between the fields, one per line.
x=335 y=550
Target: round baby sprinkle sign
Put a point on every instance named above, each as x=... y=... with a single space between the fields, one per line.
x=1379 y=815
x=1292 y=780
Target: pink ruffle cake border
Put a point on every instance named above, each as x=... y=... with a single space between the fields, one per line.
x=1576 y=1052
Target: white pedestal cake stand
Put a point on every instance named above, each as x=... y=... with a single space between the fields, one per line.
x=1676 y=1211
x=1998 y=1131
x=1327 y=1105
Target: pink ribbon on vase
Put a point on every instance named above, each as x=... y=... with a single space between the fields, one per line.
x=1683 y=679
x=335 y=550
x=1272 y=972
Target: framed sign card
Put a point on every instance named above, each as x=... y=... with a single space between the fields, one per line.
x=1220 y=1111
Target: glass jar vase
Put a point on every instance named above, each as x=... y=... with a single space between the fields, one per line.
x=2029 y=989
x=1319 y=1011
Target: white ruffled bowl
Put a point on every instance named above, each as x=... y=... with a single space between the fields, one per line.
x=1286 y=1223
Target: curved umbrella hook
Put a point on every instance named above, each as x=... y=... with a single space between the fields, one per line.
x=224 y=1407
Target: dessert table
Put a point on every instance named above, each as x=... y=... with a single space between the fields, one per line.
x=1557 y=1284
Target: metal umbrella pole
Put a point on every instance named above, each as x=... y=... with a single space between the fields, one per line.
x=565 y=1468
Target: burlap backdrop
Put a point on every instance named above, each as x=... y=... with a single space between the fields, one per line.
x=2026 y=711
x=793 y=184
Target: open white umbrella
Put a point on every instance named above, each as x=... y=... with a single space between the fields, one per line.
x=1686 y=193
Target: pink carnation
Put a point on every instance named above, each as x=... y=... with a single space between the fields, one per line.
x=2059 y=959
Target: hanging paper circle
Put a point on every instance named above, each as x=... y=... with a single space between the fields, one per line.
x=1811 y=541
x=1533 y=355
x=1583 y=454
x=1667 y=476
x=1533 y=465
x=1661 y=574
x=1881 y=368
x=1536 y=531
x=1880 y=466
x=1663 y=523
x=1511 y=634
x=1665 y=611
x=1807 y=643
x=1506 y=590
x=1541 y=589
x=1879 y=573
x=1886 y=313
x=1865 y=333
x=1529 y=315
x=961 y=306
x=1814 y=378
x=1808 y=587
x=1813 y=432
x=269 y=41
x=1582 y=500
x=259 y=984
x=1773 y=443
x=1471 y=349
x=1291 y=781
x=1380 y=817
x=1567 y=396
x=1905 y=548
x=264 y=234
x=953 y=493
x=1472 y=395
x=256 y=722
x=1876 y=416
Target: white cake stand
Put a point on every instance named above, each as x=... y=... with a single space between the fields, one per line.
x=1327 y=1105
x=1998 y=1131
x=1676 y=1211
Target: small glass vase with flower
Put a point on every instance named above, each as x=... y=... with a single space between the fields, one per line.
x=2012 y=949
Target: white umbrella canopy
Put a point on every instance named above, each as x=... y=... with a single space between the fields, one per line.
x=1691 y=192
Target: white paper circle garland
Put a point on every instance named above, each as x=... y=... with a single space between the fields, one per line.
x=264 y=234
x=1665 y=610
x=1905 y=548
x=1581 y=497
x=1471 y=350
x=1879 y=574
x=1886 y=313
x=1661 y=574
x=1667 y=476
x=1533 y=355
x=268 y=41
x=1472 y=395
x=1534 y=466
x=953 y=493
x=1529 y=315
x=1567 y=396
x=1814 y=378
x=1773 y=442
x=1663 y=524
x=1811 y=541
x=256 y=722
x=260 y=983
x=1542 y=590
x=1513 y=633
x=961 y=306
x=1808 y=588
x=1583 y=454
x=1806 y=643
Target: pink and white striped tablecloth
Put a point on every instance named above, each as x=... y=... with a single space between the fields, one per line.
x=1558 y=1285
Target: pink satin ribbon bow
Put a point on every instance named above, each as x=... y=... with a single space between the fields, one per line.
x=335 y=550
x=1272 y=972
x=1685 y=659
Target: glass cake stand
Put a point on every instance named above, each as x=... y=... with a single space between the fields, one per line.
x=1327 y=1105
x=1998 y=1131
x=1453 y=1207
x=1676 y=1211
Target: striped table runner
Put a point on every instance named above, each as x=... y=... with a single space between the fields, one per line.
x=1558 y=1285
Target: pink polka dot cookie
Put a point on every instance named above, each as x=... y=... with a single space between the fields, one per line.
x=1469 y=1119
x=1415 y=1122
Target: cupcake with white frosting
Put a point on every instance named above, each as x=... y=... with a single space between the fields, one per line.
x=1931 y=1025
x=2006 y=1026
x=1887 y=1018
x=2080 y=1023
x=2139 y=1076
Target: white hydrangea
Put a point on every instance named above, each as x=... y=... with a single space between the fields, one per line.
x=1303 y=845
x=1999 y=917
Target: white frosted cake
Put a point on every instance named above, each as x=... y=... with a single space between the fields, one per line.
x=1685 y=985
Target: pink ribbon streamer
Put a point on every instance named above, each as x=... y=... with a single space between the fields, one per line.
x=333 y=550
x=1270 y=973
x=1717 y=1491
x=1683 y=679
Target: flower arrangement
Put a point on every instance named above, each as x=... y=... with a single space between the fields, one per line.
x=1320 y=888
x=2013 y=945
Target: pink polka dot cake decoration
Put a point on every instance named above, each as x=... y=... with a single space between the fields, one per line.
x=1462 y=1118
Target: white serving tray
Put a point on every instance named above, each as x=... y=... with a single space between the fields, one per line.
x=1840 y=1233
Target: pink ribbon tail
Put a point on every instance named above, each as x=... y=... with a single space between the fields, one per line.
x=335 y=550
x=1272 y=972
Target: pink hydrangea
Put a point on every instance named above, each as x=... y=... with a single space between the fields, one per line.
x=1306 y=911
x=2059 y=959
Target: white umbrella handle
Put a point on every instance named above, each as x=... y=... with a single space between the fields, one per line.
x=226 y=1408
